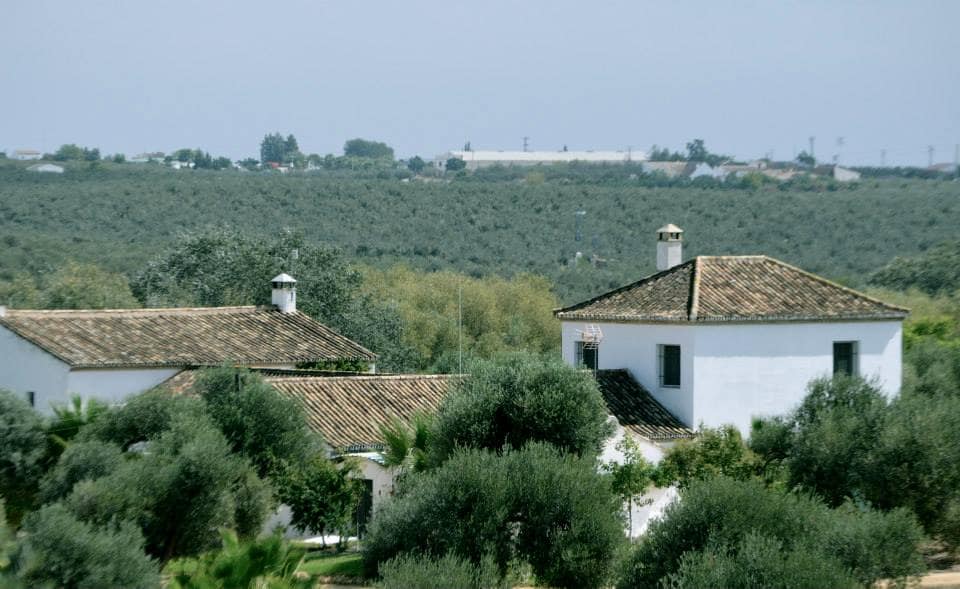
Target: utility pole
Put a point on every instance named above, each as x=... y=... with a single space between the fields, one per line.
x=956 y=158
x=883 y=158
x=929 y=156
x=526 y=141
x=812 y=139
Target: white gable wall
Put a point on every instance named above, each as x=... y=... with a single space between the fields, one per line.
x=634 y=346
x=114 y=385
x=761 y=369
x=25 y=367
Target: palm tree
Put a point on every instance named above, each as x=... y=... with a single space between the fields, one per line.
x=406 y=445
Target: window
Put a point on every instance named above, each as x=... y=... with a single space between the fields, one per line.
x=845 y=358
x=585 y=357
x=32 y=398
x=669 y=362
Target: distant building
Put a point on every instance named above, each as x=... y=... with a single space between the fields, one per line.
x=669 y=169
x=944 y=168
x=837 y=173
x=144 y=158
x=46 y=168
x=27 y=154
x=483 y=159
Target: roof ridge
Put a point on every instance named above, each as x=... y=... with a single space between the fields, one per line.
x=837 y=285
x=693 y=302
x=624 y=287
x=314 y=377
x=132 y=312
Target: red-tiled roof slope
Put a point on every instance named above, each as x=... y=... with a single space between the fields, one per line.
x=349 y=410
x=635 y=408
x=732 y=288
x=182 y=337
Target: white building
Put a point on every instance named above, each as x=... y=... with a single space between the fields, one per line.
x=46 y=168
x=720 y=339
x=48 y=356
x=483 y=159
x=27 y=154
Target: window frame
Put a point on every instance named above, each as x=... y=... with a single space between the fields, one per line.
x=579 y=357
x=662 y=366
x=854 y=358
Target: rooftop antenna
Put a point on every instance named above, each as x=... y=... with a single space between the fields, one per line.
x=526 y=143
x=840 y=142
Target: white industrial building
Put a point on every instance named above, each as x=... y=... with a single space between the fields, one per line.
x=721 y=339
x=483 y=159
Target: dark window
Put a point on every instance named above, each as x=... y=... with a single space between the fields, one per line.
x=845 y=358
x=669 y=365
x=364 y=510
x=32 y=398
x=585 y=356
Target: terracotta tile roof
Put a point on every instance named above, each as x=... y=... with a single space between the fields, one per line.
x=732 y=288
x=349 y=410
x=636 y=410
x=182 y=337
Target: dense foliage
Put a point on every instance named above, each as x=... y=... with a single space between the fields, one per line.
x=936 y=271
x=22 y=442
x=519 y=399
x=63 y=551
x=269 y=562
x=414 y=572
x=535 y=505
x=496 y=314
x=119 y=216
x=728 y=520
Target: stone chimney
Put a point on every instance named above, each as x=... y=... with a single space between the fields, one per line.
x=284 y=293
x=669 y=247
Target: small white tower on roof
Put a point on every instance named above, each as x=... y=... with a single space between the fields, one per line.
x=669 y=247
x=284 y=293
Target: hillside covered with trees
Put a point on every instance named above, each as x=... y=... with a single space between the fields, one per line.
x=118 y=216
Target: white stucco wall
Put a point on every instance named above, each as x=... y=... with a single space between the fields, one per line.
x=113 y=385
x=732 y=372
x=25 y=367
x=746 y=370
x=634 y=347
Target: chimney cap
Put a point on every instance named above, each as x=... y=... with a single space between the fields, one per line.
x=284 y=278
x=670 y=228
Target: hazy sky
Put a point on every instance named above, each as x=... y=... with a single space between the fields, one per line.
x=748 y=77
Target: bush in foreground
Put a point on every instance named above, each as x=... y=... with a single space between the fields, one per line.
x=534 y=505
x=715 y=516
x=62 y=551
x=414 y=572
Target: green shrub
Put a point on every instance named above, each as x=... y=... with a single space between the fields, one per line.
x=143 y=417
x=80 y=461
x=266 y=562
x=258 y=422
x=22 y=444
x=719 y=513
x=63 y=551
x=534 y=505
x=758 y=561
x=715 y=451
x=519 y=399
x=180 y=491
x=445 y=572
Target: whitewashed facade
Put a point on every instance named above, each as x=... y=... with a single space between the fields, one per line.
x=730 y=373
x=722 y=339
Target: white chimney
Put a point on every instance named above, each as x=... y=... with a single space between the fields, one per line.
x=669 y=247
x=284 y=293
